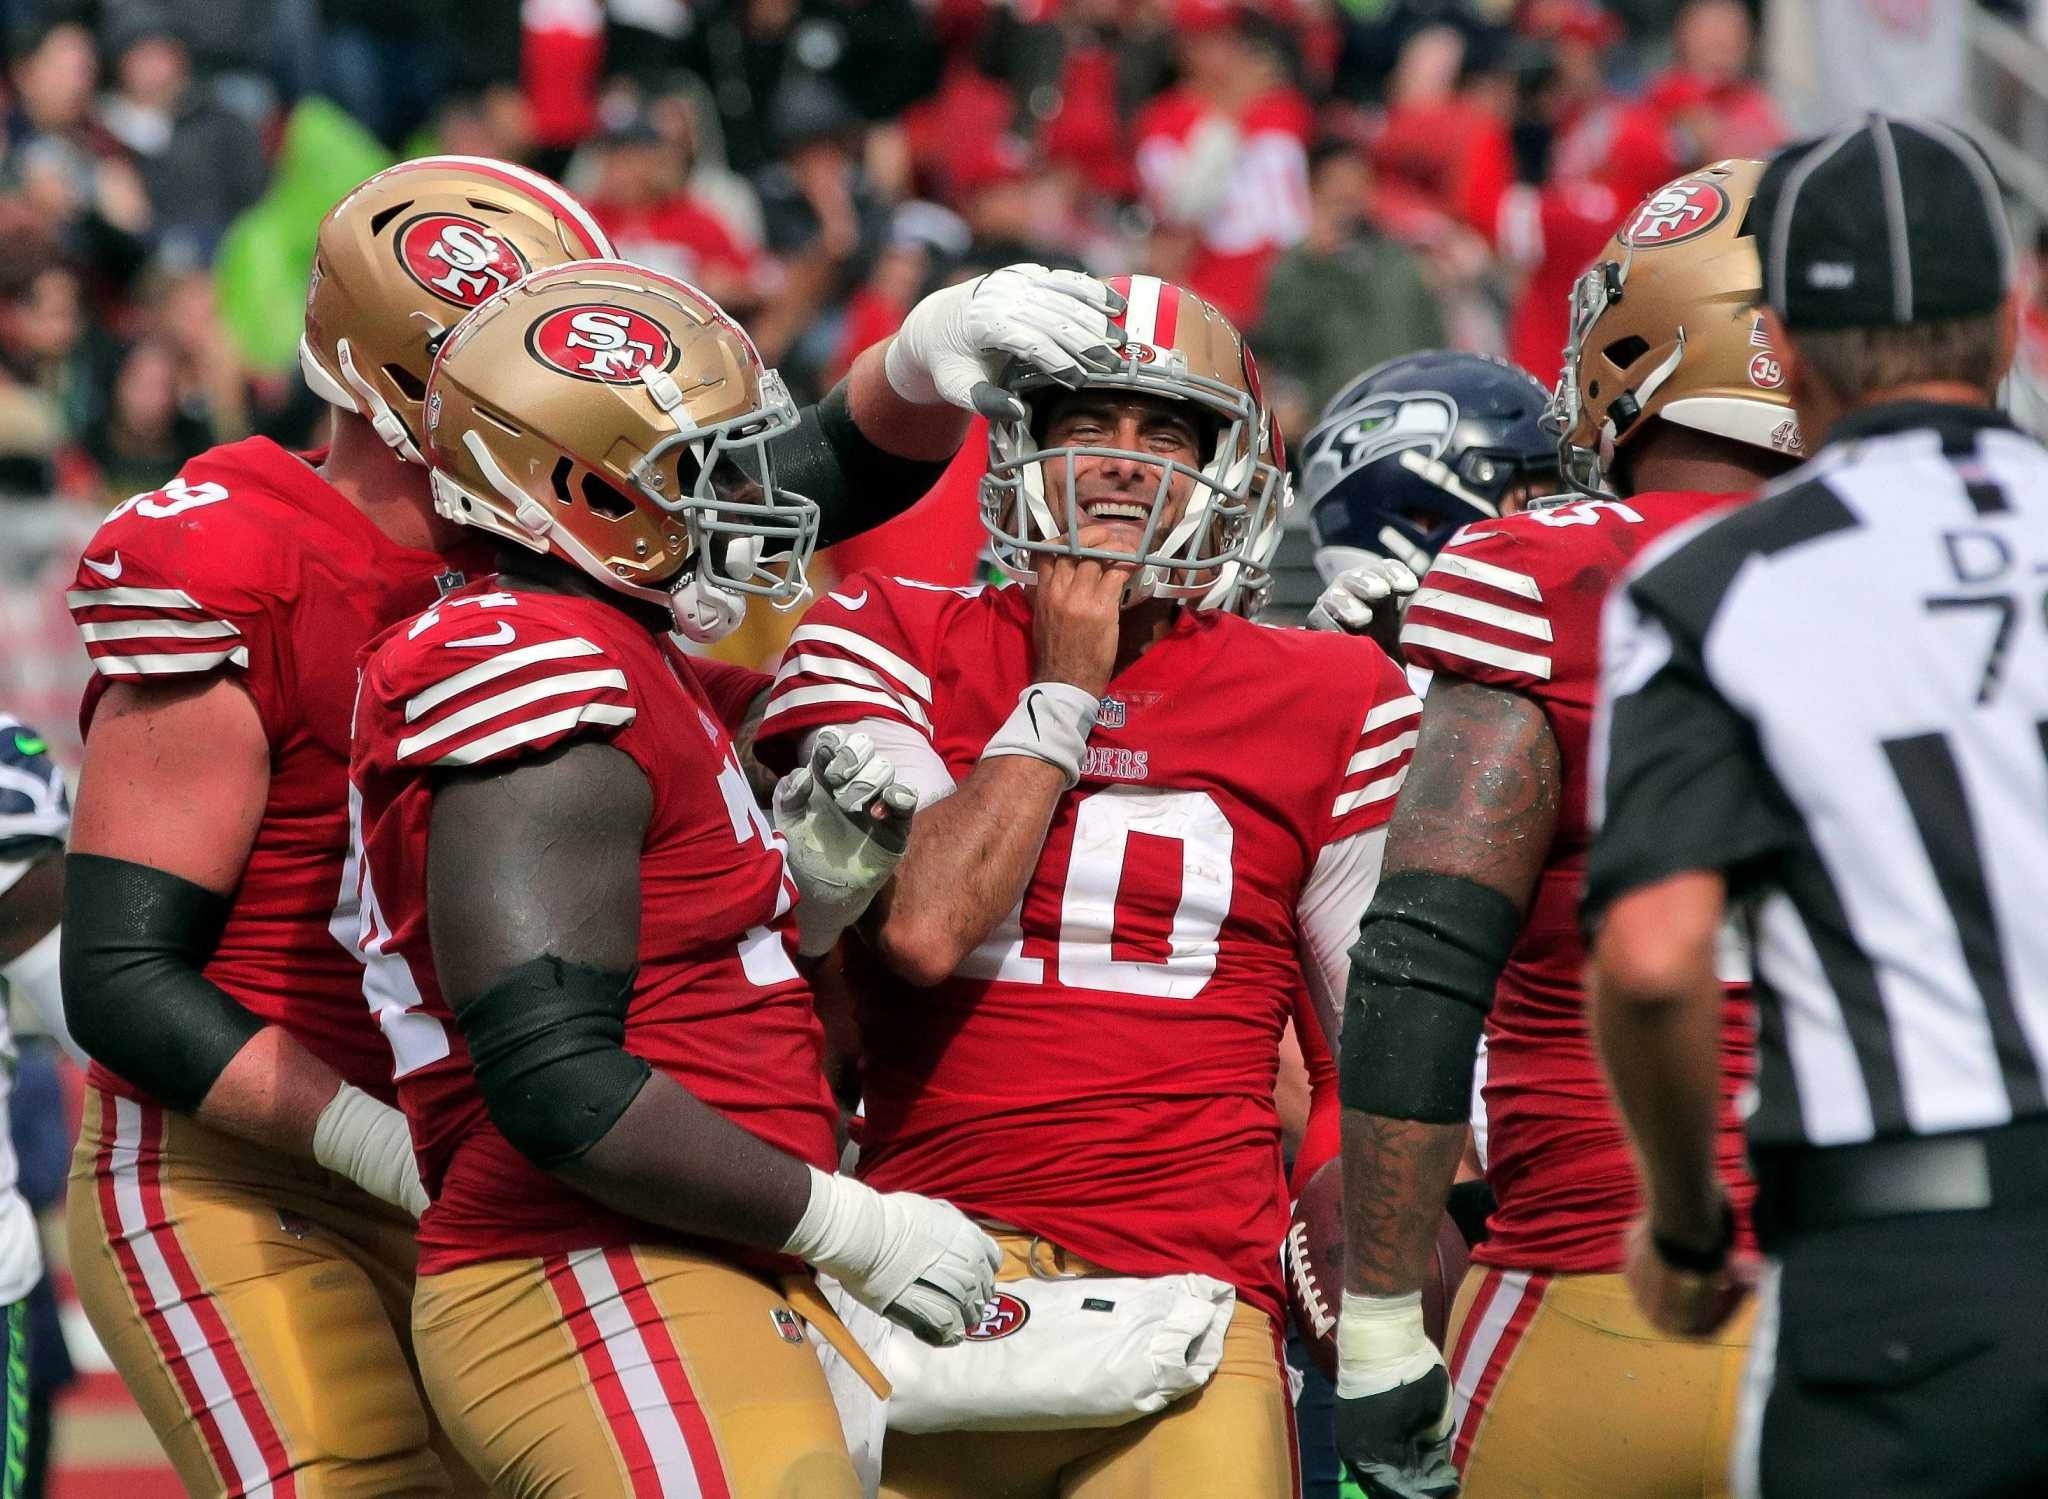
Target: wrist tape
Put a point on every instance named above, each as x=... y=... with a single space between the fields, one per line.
x=1051 y=722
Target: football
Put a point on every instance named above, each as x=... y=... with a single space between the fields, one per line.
x=1312 y=1261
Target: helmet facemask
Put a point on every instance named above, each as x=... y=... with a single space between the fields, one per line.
x=1185 y=559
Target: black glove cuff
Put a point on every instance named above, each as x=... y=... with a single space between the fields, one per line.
x=1692 y=1259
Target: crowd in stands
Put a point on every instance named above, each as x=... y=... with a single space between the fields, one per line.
x=1348 y=179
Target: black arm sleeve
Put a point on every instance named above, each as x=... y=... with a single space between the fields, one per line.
x=135 y=940
x=856 y=485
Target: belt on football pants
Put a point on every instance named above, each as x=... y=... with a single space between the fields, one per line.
x=802 y=1293
x=1804 y=1191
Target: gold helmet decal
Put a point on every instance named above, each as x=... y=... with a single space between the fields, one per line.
x=616 y=418
x=1664 y=324
x=401 y=259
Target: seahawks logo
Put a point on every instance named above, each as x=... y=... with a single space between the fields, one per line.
x=1372 y=430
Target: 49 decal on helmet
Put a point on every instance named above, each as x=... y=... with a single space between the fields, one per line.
x=1664 y=325
x=1200 y=517
x=617 y=419
x=403 y=257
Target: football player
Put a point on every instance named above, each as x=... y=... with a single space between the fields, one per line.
x=611 y=1064
x=1402 y=457
x=243 y=1197
x=1671 y=407
x=1145 y=830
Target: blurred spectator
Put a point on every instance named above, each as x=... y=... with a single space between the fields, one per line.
x=1707 y=97
x=495 y=122
x=387 y=61
x=1223 y=157
x=881 y=57
x=53 y=364
x=682 y=115
x=825 y=223
x=638 y=195
x=200 y=164
x=73 y=184
x=148 y=434
x=1346 y=297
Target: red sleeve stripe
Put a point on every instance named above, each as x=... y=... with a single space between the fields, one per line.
x=529 y=730
x=804 y=665
x=1535 y=626
x=511 y=702
x=149 y=629
x=1453 y=644
x=1380 y=754
x=890 y=706
x=1506 y=579
x=1372 y=791
x=863 y=649
x=1406 y=706
x=136 y=598
x=497 y=666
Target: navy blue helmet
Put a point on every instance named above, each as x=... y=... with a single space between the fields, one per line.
x=1420 y=445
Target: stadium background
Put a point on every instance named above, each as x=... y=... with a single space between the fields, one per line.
x=1348 y=179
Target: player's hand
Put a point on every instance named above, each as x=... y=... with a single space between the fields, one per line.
x=846 y=820
x=1687 y=1303
x=1393 y=1400
x=918 y=1261
x=957 y=342
x=369 y=1143
x=1077 y=607
x=1350 y=601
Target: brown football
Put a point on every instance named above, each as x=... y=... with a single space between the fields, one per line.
x=1312 y=1261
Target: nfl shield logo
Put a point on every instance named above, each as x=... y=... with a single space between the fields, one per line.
x=1109 y=713
x=446 y=583
x=787 y=1324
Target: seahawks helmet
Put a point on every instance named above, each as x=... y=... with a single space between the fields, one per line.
x=1418 y=446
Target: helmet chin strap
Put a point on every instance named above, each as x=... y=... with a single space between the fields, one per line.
x=372 y=405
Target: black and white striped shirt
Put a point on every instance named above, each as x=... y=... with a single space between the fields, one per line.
x=1838 y=696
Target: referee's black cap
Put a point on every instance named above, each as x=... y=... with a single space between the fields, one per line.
x=1882 y=223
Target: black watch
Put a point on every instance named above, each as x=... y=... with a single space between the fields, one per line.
x=1690 y=1257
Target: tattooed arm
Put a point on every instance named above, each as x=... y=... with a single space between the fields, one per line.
x=1468 y=839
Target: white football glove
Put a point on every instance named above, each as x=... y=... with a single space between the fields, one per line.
x=368 y=1142
x=1393 y=1412
x=1348 y=603
x=846 y=820
x=957 y=341
x=918 y=1261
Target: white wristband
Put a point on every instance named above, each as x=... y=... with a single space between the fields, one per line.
x=1051 y=722
x=1381 y=1344
x=369 y=1143
x=840 y=1214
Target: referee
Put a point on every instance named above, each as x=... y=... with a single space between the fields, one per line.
x=1828 y=711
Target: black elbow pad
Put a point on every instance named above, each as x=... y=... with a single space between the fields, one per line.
x=1422 y=975
x=547 y=1043
x=856 y=485
x=136 y=940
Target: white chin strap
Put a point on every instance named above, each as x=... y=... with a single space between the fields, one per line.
x=359 y=396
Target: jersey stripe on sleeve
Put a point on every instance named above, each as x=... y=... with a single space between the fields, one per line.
x=511 y=700
x=142 y=632
x=828 y=665
x=1378 y=765
x=1472 y=610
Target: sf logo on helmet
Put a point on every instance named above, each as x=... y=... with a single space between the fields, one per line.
x=457 y=258
x=1677 y=211
x=595 y=342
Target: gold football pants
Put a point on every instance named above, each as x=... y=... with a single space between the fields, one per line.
x=634 y=1371
x=257 y=1307
x=1234 y=1436
x=1563 y=1391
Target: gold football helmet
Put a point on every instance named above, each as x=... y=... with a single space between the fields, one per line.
x=403 y=257
x=1665 y=324
x=616 y=418
x=1175 y=346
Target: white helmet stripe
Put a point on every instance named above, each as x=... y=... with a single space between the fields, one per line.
x=1141 y=317
x=532 y=182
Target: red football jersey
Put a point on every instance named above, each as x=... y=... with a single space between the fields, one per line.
x=490 y=677
x=249 y=563
x=1101 y=1070
x=1516 y=603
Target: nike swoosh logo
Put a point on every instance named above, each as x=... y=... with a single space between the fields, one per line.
x=860 y=602
x=108 y=570
x=1031 y=711
x=501 y=636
